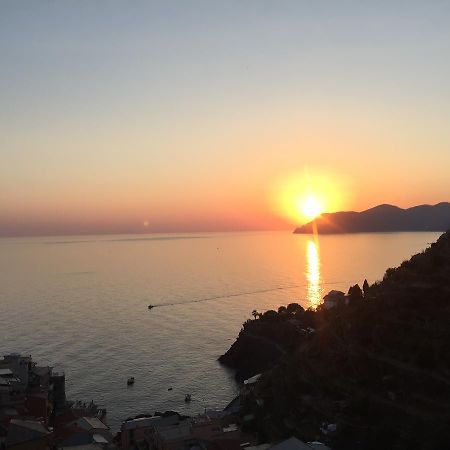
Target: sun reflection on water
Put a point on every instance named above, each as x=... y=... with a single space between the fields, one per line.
x=313 y=290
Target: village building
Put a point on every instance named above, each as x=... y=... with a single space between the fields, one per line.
x=28 y=435
x=140 y=431
x=35 y=414
x=334 y=298
x=291 y=443
x=176 y=433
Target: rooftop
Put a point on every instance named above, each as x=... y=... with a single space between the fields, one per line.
x=80 y=447
x=95 y=423
x=333 y=294
x=31 y=425
x=150 y=422
x=291 y=444
x=25 y=430
x=253 y=379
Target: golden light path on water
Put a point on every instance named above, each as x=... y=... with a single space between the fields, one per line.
x=313 y=290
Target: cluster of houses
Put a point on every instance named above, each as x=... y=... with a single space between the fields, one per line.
x=35 y=415
x=248 y=393
x=173 y=432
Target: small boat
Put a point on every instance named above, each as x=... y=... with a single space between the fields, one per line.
x=150 y=306
x=187 y=398
x=130 y=381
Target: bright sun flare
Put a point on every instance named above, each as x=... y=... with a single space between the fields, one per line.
x=310 y=207
x=301 y=197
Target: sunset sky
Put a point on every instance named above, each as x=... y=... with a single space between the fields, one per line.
x=205 y=115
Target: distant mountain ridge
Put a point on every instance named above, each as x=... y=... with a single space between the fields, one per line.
x=382 y=218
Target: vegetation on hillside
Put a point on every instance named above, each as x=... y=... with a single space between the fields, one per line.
x=376 y=366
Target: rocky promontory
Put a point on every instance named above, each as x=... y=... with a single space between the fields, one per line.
x=262 y=341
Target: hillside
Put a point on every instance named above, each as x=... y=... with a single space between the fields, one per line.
x=383 y=218
x=377 y=370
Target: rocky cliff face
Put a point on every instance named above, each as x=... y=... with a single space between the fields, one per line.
x=251 y=354
x=263 y=341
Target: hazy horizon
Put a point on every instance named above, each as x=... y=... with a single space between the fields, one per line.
x=102 y=230
x=200 y=116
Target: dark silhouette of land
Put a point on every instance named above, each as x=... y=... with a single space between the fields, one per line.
x=382 y=218
x=372 y=371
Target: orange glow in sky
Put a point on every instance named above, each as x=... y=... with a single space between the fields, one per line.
x=247 y=123
x=301 y=197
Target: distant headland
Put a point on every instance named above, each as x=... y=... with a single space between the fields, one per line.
x=382 y=218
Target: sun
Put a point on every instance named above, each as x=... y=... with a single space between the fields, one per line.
x=301 y=197
x=310 y=207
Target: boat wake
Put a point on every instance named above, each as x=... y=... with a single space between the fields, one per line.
x=238 y=294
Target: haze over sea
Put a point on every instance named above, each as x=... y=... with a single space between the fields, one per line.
x=80 y=303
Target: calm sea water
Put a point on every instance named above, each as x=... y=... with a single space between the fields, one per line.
x=81 y=304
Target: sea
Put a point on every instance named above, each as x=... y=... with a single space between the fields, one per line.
x=80 y=304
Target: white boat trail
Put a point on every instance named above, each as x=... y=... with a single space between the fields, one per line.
x=238 y=294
